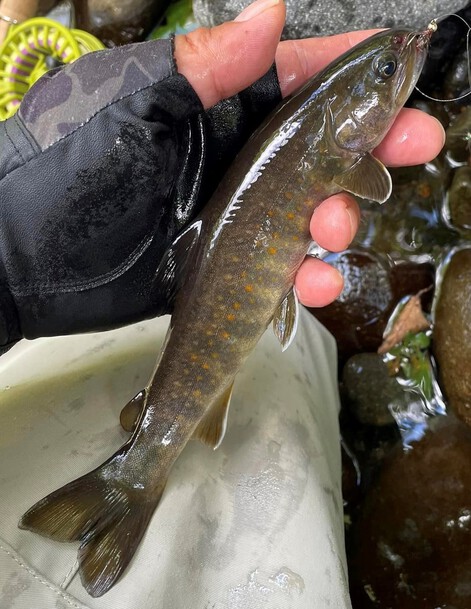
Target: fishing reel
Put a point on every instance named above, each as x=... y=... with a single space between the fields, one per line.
x=30 y=50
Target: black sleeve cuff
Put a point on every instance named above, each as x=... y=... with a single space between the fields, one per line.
x=232 y=121
x=10 y=332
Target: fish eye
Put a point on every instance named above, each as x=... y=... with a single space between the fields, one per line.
x=385 y=66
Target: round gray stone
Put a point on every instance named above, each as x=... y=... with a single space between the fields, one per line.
x=307 y=18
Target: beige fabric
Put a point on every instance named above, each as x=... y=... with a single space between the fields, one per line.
x=256 y=524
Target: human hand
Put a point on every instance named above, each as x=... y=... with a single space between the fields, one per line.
x=222 y=61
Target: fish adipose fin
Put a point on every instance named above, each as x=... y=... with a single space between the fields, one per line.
x=130 y=413
x=368 y=178
x=174 y=265
x=108 y=518
x=212 y=427
x=285 y=320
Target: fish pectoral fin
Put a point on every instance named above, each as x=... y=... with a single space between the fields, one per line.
x=285 y=320
x=174 y=265
x=368 y=178
x=212 y=427
x=106 y=515
x=131 y=412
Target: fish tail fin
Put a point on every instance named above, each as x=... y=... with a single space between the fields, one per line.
x=108 y=517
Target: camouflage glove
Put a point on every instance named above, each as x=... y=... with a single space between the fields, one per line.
x=106 y=160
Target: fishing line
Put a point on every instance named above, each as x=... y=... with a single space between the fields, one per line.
x=433 y=25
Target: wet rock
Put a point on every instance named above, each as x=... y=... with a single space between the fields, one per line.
x=410 y=545
x=321 y=17
x=45 y=6
x=373 y=286
x=120 y=22
x=452 y=334
x=456 y=82
x=458 y=137
x=459 y=199
x=369 y=390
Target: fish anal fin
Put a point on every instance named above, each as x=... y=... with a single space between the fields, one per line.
x=368 y=178
x=285 y=320
x=131 y=412
x=212 y=427
x=107 y=516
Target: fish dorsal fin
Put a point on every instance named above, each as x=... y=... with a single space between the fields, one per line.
x=368 y=178
x=285 y=320
x=174 y=265
x=212 y=427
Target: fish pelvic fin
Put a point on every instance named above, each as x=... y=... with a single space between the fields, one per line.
x=285 y=320
x=108 y=518
x=132 y=411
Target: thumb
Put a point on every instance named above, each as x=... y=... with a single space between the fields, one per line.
x=221 y=61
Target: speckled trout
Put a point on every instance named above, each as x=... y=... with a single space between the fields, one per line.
x=230 y=274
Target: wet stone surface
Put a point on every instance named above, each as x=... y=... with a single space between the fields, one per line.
x=373 y=286
x=452 y=334
x=112 y=21
x=124 y=21
x=410 y=545
x=459 y=198
x=369 y=391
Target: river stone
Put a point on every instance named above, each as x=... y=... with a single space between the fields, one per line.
x=307 y=18
x=373 y=286
x=410 y=545
x=369 y=390
x=459 y=198
x=452 y=334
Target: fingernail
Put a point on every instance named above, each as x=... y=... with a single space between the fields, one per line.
x=255 y=9
x=443 y=131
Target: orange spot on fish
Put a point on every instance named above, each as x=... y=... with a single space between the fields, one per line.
x=290 y=215
x=230 y=317
x=197 y=393
x=295 y=237
x=205 y=366
x=276 y=235
x=288 y=195
x=226 y=335
x=193 y=357
x=243 y=274
x=272 y=251
x=249 y=287
x=236 y=306
x=270 y=213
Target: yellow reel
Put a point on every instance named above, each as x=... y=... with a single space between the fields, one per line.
x=23 y=56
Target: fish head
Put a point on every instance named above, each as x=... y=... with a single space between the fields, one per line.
x=374 y=82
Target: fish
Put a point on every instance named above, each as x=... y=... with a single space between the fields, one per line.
x=230 y=274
